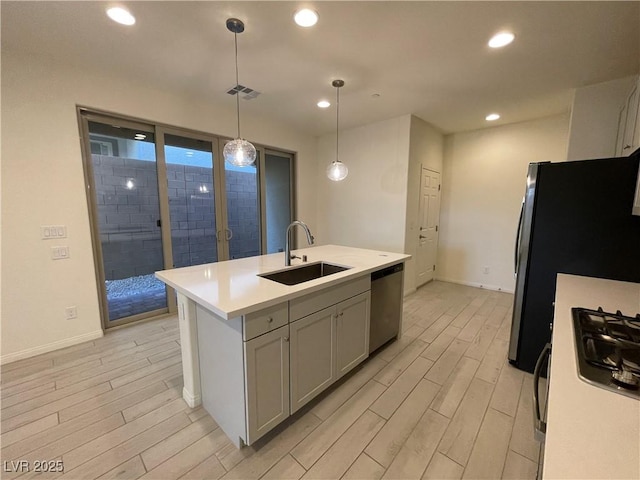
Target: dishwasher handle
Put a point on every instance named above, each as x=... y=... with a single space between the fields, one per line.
x=539 y=425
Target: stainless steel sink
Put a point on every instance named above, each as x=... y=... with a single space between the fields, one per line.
x=304 y=273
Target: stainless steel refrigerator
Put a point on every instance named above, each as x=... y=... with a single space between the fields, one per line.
x=576 y=218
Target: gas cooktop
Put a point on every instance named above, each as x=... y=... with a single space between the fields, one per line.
x=608 y=350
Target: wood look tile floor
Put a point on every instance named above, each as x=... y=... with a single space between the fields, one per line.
x=440 y=403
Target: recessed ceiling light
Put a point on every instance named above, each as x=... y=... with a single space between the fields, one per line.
x=492 y=117
x=121 y=15
x=501 y=39
x=306 y=17
x=324 y=104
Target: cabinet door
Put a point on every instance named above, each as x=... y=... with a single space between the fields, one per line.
x=267 y=382
x=622 y=122
x=630 y=124
x=352 y=332
x=312 y=356
x=636 y=133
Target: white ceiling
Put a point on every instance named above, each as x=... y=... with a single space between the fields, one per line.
x=426 y=58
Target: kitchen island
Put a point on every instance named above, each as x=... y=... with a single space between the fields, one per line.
x=591 y=432
x=254 y=351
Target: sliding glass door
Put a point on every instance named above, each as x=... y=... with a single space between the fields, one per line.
x=160 y=197
x=127 y=219
x=192 y=190
x=243 y=210
x=278 y=201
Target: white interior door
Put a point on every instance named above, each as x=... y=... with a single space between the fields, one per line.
x=429 y=214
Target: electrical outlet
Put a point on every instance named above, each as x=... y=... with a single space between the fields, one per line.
x=71 y=312
x=486 y=270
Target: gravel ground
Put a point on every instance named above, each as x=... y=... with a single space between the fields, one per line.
x=128 y=287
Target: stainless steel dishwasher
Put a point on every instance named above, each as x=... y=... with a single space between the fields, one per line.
x=386 y=305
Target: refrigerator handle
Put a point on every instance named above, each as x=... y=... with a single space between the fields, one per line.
x=517 y=246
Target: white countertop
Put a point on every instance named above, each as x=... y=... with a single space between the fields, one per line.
x=591 y=432
x=232 y=288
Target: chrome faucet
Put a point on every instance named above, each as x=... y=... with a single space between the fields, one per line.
x=287 y=248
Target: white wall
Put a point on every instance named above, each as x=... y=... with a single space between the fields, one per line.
x=594 y=119
x=367 y=209
x=482 y=189
x=425 y=149
x=42 y=183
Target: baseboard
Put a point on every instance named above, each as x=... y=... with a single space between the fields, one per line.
x=474 y=284
x=191 y=399
x=49 y=347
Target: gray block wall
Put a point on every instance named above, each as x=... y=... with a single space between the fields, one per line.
x=127 y=218
x=242 y=214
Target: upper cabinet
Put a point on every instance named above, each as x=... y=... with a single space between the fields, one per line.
x=628 y=140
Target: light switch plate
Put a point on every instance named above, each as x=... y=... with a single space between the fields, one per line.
x=48 y=232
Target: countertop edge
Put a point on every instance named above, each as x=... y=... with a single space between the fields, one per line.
x=312 y=286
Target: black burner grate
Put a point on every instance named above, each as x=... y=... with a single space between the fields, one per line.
x=607 y=343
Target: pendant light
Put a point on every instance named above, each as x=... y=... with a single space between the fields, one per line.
x=238 y=152
x=337 y=171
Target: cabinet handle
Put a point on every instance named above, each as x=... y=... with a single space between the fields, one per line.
x=270 y=319
x=286 y=339
x=341 y=314
x=626 y=147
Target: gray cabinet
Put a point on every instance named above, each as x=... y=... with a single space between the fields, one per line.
x=244 y=384
x=327 y=344
x=352 y=332
x=267 y=381
x=312 y=356
x=628 y=139
x=266 y=320
x=258 y=369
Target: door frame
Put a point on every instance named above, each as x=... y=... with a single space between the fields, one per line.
x=417 y=269
x=263 y=193
x=165 y=215
x=84 y=117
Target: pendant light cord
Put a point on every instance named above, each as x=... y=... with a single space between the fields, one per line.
x=337 y=120
x=235 y=36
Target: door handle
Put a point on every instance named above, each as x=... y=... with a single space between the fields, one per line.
x=539 y=426
x=228 y=234
x=517 y=246
x=422 y=236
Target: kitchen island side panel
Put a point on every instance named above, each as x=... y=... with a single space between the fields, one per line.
x=222 y=372
x=189 y=349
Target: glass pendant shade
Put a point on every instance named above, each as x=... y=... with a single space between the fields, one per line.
x=239 y=152
x=337 y=171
